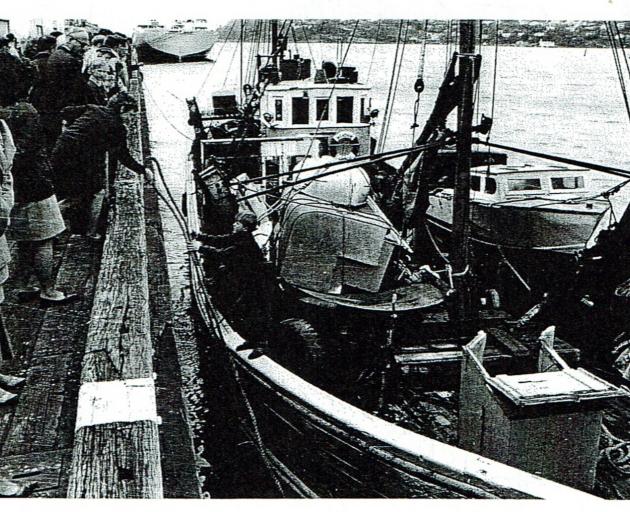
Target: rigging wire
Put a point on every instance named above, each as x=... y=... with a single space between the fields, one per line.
x=308 y=43
x=623 y=48
x=227 y=37
x=227 y=72
x=613 y=46
x=161 y=112
x=378 y=29
x=419 y=85
x=494 y=86
x=332 y=90
x=393 y=85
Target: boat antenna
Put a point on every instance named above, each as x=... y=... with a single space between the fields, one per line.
x=460 y=241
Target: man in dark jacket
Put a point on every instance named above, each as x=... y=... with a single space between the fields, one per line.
x=64 y=82
x=45 y=46
x=243 y=285
x=79 y=154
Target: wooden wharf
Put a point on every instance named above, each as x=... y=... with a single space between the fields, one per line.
x=101 y=412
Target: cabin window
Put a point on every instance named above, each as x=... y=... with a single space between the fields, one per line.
x=322 y=109
x=475 y=183
x=300 y=110
x=295 y=159
x=345 y=106
x=524 y=184
x=278 y=110
x=491 y=186
x=568 y=183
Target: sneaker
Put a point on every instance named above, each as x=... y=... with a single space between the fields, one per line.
x=6 y=397
x=27 y=294
x=10 y=381
x=248 y=345
x=255 y=354
x=58 y=297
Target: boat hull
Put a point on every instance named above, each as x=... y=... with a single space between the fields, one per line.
x=318 y=445
x=535 y=226
x=158 y=47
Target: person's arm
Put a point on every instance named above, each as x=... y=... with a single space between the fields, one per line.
x=222 y=251
x=71 y=113
x=215 y=240
x=121 y=151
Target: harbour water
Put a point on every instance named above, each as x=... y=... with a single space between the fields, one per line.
x=562 y=101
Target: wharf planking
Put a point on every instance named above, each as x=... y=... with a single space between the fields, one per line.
x=119 y=329
x=36 y=434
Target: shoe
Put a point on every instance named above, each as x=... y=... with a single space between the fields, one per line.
x=27 y=294
x=255 y=354
x=248 y=345
x=61 y=298
x=7 y=397
x=10 y=381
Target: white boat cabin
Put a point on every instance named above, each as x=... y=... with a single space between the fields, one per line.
x=507 y=182
x=299 y=116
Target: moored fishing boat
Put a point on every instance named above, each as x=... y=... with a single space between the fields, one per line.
x=309 y=232
x=532 y=208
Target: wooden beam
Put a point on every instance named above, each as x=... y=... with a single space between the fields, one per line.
x=122 y=458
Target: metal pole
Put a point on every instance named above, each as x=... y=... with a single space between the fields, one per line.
x=460 y=248
x=240 y=78
x=274 y=39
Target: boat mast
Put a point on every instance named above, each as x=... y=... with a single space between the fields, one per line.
x=460 y=249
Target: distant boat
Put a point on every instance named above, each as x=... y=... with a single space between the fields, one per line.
x=188 y=40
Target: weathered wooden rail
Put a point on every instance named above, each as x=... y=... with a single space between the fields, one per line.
x=117 y=444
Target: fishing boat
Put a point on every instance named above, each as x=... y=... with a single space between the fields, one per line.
x=183 y=41
x=347 y=288
x=532 y=208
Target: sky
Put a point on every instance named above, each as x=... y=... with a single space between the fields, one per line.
x=123 y=15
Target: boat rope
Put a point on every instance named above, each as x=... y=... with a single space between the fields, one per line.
x=332 y=89
x=494 y=85
x=227 y=38
x=435 y=245
x=238 y=139
x=366 y=159
x=334 y=171
x=616 y=57
x=513 y=269
x=477 y=82
x=308 y=43
x=393 y=85
x=374 y=46
x=163 y=115
x=419 y=84
x=580 y=163
x=227 y=73
x=179 y=217
x=623 y=48
x=617 y=453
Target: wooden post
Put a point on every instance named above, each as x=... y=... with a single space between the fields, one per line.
x=460 y=251
x=116 y=448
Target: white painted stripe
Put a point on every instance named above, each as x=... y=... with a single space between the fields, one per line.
x=117 y=400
